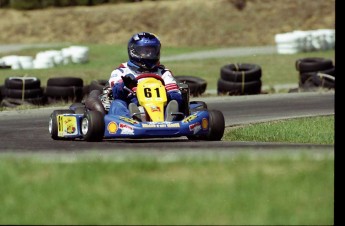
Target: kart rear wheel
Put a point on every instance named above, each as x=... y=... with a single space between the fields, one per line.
x=92 y=126
x=53 y=125
x=216 y=127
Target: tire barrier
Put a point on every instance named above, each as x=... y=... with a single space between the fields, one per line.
x=22 y=90
x=47 y=59
x=305 y=41
x=64 y=89
x=197 y=86
x=239 y=79
x=315 y=72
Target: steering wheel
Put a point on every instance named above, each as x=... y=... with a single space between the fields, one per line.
x=151 y=75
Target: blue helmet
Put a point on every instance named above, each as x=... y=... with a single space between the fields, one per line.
x=144 y=50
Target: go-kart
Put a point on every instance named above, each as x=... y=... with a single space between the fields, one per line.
x=90 y=121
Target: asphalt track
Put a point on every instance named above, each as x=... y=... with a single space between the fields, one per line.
x=27 y=130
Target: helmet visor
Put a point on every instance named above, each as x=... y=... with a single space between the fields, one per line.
x=145 y=52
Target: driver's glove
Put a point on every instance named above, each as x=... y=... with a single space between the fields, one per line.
x=129 y=80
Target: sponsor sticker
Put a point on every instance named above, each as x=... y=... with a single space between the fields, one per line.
x=195 y=127
x=160 y=125
x=67 y=125
x=204 y=123
x=155 y=108
x=129 y=120
x=190 y=118
x=112 y=127
x=126 y=129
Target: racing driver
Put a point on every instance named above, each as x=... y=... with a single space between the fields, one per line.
x=144 y=57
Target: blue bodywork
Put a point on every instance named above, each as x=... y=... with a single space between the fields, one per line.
x=197 y=123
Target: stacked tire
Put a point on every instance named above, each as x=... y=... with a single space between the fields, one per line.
x=64 y=89
x=197 y=86
x=22 y=90
x=315 y=72
x=239 y=79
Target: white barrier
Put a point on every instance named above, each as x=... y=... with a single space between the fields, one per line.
x=48 y=58
x=305 y=41
x=13 y=61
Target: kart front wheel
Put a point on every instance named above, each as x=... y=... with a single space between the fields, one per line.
x=53 y=123
x=92 y=126
x=216 y=127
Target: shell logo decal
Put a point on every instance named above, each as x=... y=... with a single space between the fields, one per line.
x=112 y=127
x=204 y=123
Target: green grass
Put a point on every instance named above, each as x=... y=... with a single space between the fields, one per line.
x=312 y=130
x=234 y=189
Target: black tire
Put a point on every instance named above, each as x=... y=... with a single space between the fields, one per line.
x=97 y=85
x=22 y=83
x=65 y=81
x=95 y=104
x=317 y=81
x=216 y=127
x=238 y=88
x=18 y=93
x=53 y=125
x=95 y=93
x=311 y=64
x=13 y=103
x=197 y=86
x=241 y=72
x=92 y=126
x=5 y=66
x=66 y=93
x=306 y=75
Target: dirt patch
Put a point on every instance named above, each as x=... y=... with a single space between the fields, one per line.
x=176 y=22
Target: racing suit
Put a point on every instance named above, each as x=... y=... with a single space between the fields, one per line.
x=123 y=97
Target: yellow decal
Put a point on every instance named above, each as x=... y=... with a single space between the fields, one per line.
x=189 y=118
x=60 y=125
x=67 y=125
x=128 y=120
x=112 y=127
x=204 y=123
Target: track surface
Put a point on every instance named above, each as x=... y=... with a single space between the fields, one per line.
x=27 y=130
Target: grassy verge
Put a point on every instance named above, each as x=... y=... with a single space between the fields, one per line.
x=312 y=130
x=225 y=190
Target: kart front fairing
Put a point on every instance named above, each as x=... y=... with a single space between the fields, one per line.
x=119 y=126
